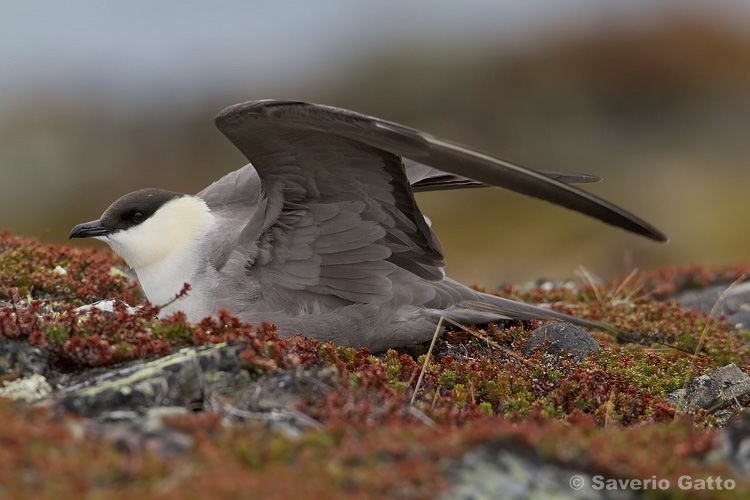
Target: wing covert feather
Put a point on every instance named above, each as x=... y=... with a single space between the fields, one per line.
x=241 y=119
x=346 y=218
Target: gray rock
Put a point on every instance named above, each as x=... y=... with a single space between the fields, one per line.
x=132 y=430
x=714 y=390
x=702 y=300
x=274 y=399
x=24 y=358
x=574 y=340
x=137 y=423
x=737 y=299
x=181 y=379
x=502 y=470
x=205 y=378
x=740 y=320
x=734 y=444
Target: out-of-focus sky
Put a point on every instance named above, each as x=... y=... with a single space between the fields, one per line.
x=98 y=98
x=142 y=48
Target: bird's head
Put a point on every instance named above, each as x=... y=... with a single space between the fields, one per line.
x=145 y=226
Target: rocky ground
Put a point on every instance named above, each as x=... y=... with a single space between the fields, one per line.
x=119 y=404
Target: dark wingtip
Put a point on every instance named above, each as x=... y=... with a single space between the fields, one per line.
x=649 y=231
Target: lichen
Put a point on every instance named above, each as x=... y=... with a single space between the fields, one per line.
x=605 y=412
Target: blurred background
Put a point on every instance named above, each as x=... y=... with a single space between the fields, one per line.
x=101 y=98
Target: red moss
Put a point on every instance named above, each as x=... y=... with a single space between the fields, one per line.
x=623 y=385
x=20 y=322
x=47 y=271
x=603 y=413
x=40 y=457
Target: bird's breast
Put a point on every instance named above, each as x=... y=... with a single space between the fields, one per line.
x=164 y=280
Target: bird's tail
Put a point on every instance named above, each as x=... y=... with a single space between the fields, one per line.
x=510 y=309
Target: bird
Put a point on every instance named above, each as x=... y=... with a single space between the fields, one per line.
x=320 y=234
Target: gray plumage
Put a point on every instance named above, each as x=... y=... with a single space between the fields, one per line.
x=321 y=233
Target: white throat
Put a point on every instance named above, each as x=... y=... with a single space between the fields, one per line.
x=166 y=250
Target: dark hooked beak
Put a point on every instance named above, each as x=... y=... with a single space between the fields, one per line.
x=88 y=229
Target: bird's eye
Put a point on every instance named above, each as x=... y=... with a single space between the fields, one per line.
x=137 y=217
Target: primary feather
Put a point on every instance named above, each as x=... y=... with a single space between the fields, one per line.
x=321 y=234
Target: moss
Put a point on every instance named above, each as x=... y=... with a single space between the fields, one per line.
x=604 y=412
x=488 y=376
x=648 y=370
x=55 y=333
x=56 y=273
x=177 y=330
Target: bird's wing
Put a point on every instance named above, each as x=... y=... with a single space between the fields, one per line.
x=426 y=178
x=336 y=218
x=247 y=125
x=241 y=186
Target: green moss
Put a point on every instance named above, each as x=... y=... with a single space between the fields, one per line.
x=173 y=332
x=646 y=370
x=605 y=412
x=447 y=379
x=486 y=408
x=126 y=350
x=518 y=403
x=355 y=380
x=393 y=367
x=55 y=333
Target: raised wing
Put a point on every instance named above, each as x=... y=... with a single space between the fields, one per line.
x=244 y=123
x=426 y=178
x=337 y=217
x=336 y=220
x=243 y=185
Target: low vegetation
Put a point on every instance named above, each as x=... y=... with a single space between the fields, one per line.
x=608 y=413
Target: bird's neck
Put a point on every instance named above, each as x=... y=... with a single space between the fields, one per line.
x=170 y=249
